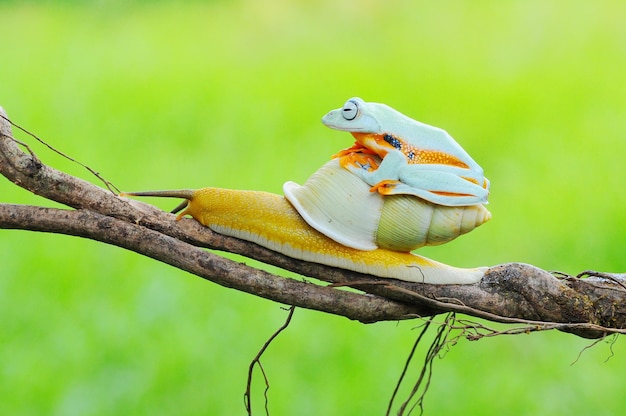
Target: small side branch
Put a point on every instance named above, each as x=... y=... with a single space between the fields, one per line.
x=257 y=361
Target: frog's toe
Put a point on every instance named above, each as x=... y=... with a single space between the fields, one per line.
x=358 y=161
x=385 y=187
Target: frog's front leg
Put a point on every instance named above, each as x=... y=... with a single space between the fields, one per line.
x=387 y=171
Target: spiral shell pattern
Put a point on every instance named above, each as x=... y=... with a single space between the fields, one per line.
x=340 y=205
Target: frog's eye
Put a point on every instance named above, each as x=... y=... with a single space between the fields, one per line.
x=350 y=110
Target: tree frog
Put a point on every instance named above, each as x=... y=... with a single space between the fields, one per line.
x=417 y=159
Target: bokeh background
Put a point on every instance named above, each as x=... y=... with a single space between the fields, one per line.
x=167 y=94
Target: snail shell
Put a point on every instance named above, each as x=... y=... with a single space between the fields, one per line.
x=339 y=204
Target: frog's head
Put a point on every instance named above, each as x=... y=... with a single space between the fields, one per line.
x=355 y=116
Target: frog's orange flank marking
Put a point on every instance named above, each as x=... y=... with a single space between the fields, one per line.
x=383 y=143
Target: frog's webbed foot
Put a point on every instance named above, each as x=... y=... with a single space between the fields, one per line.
x=355 y=148
x=386 y=187
x=358 y=161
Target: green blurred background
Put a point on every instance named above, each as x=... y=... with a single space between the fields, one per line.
x=167 y=94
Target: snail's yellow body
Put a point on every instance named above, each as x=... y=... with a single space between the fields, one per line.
x=271 y=221
x=403 y=185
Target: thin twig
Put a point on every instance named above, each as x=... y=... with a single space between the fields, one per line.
x=617 y=278
x=109 y=185
x=406 y=365
x=426 y=372
x=247 y=397
x=612 y=342
x=593 y=344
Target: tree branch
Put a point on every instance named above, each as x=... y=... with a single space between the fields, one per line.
x=509 y=293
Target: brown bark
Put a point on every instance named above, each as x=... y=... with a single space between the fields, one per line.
x=509 y=293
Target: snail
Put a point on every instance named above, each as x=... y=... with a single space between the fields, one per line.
x=359 y=211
